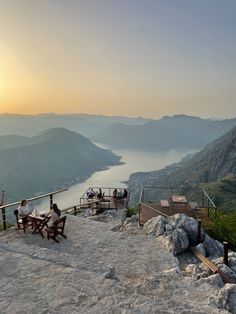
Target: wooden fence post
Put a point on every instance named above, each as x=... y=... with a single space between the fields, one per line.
x=4 y=222
x=226 y=249
x=199 y=225
x=51 y=200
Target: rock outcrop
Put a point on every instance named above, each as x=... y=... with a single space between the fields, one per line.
x=177 y=232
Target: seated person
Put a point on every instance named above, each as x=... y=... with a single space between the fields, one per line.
x=90 y=193
x=24 y=209
x=55 y=214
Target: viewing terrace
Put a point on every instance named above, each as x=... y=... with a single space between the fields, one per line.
x=167 y=201
x=85 y=204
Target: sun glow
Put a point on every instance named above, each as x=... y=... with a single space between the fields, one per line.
x=15 y=81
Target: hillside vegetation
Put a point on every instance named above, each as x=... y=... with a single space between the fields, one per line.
x=53 y=159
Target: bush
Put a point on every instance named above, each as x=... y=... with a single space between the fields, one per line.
x=224 y=228
x=131 y=212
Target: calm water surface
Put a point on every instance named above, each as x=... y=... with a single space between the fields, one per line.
x=116 y=175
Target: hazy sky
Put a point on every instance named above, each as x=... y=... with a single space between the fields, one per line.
x=128 y=57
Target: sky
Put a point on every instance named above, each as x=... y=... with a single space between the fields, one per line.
x=145 y=58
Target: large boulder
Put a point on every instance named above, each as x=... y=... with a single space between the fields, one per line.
x=201 y=249
x=227 y=298
x=212 y=247
x=155 y=226
x=176 y=241
x=228 y=272
x=179 y=231
x=188 y=224
x=213 y=280
x=232 y=262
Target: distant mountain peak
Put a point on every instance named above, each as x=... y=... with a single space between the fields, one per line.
x=181 y=116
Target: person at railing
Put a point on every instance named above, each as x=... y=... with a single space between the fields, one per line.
x=99 y=194
x=125 y=193
x=24 y=209
x=90 y=194
x=114 y=194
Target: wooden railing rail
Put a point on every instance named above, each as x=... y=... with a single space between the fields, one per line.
x=208 y=203
x=142 y=206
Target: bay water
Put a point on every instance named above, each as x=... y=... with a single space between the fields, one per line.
x=114 y=176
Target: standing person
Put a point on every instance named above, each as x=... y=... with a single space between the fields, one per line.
x=125 y=193
x=24 y=209
x=55 y=213
x=114 y=194
x=99 y=195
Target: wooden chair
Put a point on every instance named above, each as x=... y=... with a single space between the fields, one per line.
x=56 y=229
x=22 y=222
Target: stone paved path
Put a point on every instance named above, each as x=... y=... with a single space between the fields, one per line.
x=41 y=276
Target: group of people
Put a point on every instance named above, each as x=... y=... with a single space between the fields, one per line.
x=99 y=195
x=24 y=210
x=120 y=196
x=91 y=194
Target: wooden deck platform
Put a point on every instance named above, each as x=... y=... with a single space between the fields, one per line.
x=107 y=203
x=150 y=210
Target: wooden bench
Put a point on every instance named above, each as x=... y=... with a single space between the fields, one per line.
x=164 y=203
x=203 y=259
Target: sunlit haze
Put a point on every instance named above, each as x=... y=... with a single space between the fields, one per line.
x=116 y=57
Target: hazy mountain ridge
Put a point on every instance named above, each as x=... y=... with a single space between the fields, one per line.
x=84 y=124
x=216 y=162
x=54 y=159
x=176 y=132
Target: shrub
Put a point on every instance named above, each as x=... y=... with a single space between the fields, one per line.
x=131 y=212
x=224 y=228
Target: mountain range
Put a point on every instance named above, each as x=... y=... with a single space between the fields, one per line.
x=175 y=132
x=51 y=160
x=84 y=124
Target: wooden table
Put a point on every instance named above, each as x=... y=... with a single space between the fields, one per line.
x=179 y=199
x=39 y=222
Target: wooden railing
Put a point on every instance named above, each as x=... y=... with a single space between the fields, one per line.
x=3 y=207
x=108 y=193
x=74 y=209
x=209 y=205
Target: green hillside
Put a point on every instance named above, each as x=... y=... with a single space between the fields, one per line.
x=55 y=158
